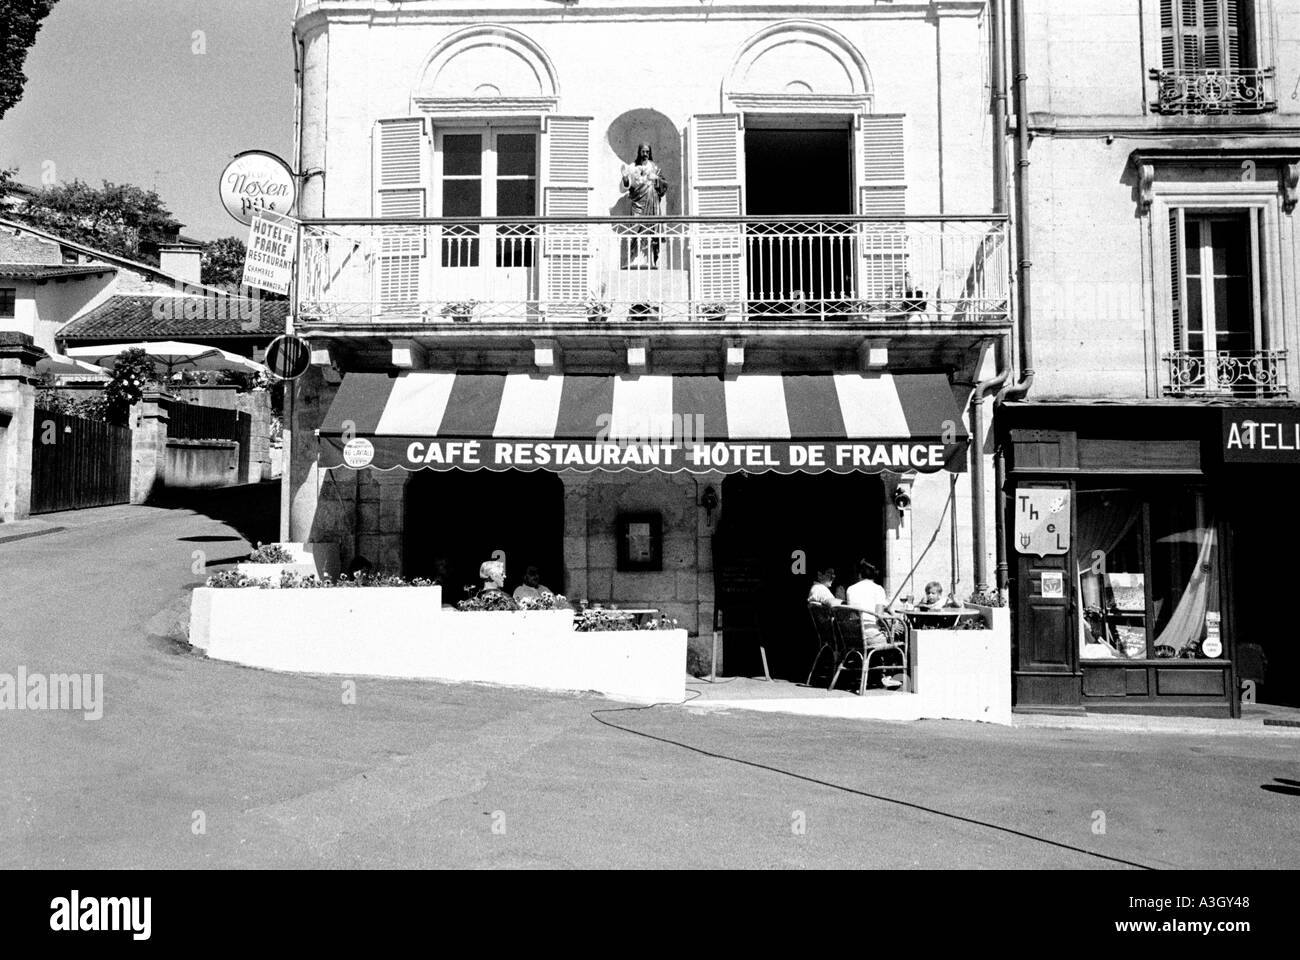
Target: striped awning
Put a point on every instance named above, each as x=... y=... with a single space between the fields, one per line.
x=842 y=423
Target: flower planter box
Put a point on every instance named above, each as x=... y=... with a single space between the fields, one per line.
x=965 y=674
x=405 y=632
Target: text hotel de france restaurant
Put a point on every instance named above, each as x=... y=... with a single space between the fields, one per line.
x=679 y=310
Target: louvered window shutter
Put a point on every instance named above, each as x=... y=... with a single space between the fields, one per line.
x=716 y=172
x=401 y=177
x=1169 y=34
x=566 y=192
x=1204 y=34
x=881 y=174
x=1176 y=277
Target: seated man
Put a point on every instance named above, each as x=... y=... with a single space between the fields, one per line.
x=867 y=593
x=532 y=587
x=821 y=589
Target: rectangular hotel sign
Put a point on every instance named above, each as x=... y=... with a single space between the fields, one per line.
x=410 y=453
x=268 y=265
x=1261 y=435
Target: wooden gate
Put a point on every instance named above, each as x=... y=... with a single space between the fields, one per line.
x=78 y=463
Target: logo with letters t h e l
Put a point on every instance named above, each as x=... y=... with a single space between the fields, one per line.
x=1042 y=521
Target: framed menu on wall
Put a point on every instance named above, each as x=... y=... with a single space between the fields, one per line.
x=640 y=542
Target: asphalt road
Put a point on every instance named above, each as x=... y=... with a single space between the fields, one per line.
x=201 y=764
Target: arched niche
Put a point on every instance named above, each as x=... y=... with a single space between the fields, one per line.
x=487 y=67
x=797 y=65
x=633 y=127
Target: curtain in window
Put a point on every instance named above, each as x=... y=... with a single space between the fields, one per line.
x=1187 y=623
x=1102 y=522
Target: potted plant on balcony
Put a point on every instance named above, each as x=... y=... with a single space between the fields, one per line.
x=643 y=311
x=714 y=310
x=597 y=306
x=460 y=311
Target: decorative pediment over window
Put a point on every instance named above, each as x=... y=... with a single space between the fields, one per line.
x=487 y=69
x=797 y=65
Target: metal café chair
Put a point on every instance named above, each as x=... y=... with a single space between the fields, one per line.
x=824 y=631
x=862 y=633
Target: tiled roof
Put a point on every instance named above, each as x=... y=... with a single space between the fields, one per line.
x=177 y=318
x=52 y=271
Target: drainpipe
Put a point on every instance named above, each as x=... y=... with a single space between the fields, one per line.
x=998 y=58
x=1019 y=389
x=981 y=392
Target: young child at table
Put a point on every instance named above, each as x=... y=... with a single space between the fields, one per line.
x=933 y=596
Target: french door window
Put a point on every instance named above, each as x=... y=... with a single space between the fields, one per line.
x=1217 y=298
x=488 y=172
x=1209 y=60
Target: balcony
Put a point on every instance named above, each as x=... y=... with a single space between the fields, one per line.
x=1214 y=92
x=1258 y=374
x=706 y=273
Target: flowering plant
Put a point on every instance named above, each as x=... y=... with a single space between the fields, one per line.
x=290 y=580
x=460 y=310
x=273 y=553
x=489 y=600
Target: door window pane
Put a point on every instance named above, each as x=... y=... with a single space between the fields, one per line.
x=462 y=155
x=516 y=154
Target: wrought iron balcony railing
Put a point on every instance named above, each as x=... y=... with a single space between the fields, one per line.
x=1243 y=90
x=669 y=270
x=1260 y=373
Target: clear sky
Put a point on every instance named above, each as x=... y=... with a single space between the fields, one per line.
x=116 y=91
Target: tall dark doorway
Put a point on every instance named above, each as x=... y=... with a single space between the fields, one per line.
x=464 y=518
x=797 y=270
x=768 y=523
x=1259 y=575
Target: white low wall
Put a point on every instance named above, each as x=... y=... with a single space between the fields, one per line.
x=964 y=674
x=405 y=632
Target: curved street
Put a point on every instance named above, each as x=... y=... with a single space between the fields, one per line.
x=203 y=764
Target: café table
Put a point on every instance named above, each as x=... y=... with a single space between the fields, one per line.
x=942 y=618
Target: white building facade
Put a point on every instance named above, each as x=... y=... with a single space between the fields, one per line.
x=690 y=409
x=1162 y=184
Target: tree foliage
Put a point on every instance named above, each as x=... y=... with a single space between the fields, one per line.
x=117 y=218
x=223 y=263
x=20 y=21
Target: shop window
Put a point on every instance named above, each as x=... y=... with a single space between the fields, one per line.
x=1147 y=574
x=8 y=301
x=1217 y=304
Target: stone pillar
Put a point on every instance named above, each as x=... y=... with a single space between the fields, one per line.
x=257 y=404
x=148 y=419
x=312 y=400
x=576 y=490
x=898 y=534
x=18 y=357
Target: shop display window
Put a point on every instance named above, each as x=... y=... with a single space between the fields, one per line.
x=1147 y=574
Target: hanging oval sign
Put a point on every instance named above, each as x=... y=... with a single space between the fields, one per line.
x=255 y=182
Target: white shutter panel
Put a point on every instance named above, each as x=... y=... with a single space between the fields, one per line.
x=401 y=176
x=566 y=192
x=881 y=174
x=716 y=171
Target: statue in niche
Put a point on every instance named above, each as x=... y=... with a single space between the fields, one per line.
x=646 y=187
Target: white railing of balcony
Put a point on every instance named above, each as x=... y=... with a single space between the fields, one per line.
x=1242 y=90
x=675 y=270
x=1259 y=373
